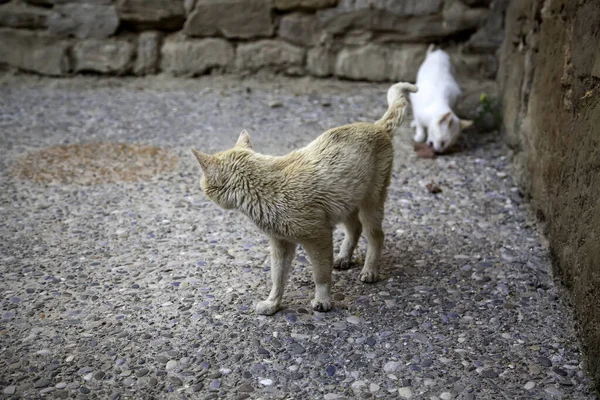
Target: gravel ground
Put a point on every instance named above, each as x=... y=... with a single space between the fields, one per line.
x=146 y=289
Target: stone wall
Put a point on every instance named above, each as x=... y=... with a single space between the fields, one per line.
x=550 y=83
x=374 y=40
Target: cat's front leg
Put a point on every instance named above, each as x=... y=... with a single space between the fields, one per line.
x=320 y=253
x=282 y=254
x=420 y=133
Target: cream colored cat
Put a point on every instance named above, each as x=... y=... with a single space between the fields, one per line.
x=340 y=177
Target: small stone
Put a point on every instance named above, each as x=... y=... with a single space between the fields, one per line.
x=47 y=390
x=197 y=387
x=215 y=385
x=275 y=104
x=99 y=375
x=391 y=366
x=141 y=372
x=172 y=364
x=266 y=382
x=332 y=396
x=41 y=383
x=84 y=390
x=446 y=396
x=245 y=388
x=358 y=385
x=61 y=385
x=405 y=392
x=373 y=387
x=529 y=385
x=552 y=391
x=330 y=370
x=9 y=390
x=353 y=319
x=488 y=373
x=545 y=362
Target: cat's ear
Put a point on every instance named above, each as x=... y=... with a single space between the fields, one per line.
x=244 y=140
x=446 y=118
x=206 y=161
x=465 y=123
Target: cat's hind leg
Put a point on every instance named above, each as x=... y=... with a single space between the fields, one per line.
x=320 y=253
x=372 y=219
x=353 y=229
x=282 y=255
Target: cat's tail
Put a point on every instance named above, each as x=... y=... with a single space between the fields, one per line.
x=394 y=115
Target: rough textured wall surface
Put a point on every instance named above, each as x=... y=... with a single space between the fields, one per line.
x=373 y=40
x=550 y=83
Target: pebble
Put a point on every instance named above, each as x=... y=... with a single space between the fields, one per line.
x=405 y=392
x=245 y=388
x=61 y=385
x=446 y=396
x=353 y=320
x=266 y=382
x=332 y=396
x=215 y=385
x=552 y=391
x=41 y=383
x=9 y=390
x=171 y=364
x=197 y=387
x=373 y=387
x=544 y=361
x=141 y=372
x=84 y=390
x=391 y=366
x=529 y=385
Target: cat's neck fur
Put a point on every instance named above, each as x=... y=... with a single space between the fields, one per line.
x=257 y=188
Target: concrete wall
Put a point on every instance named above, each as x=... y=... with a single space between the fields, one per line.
x=550 y=84
x=374 y=40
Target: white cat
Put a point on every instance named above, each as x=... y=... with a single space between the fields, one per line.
x=432 y=105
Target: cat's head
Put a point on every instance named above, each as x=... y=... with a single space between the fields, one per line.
x=220 y=172
x=443 y=133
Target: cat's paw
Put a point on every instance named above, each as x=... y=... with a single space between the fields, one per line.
x=342 y=263
x=420 y=136
x=369 y=276
x=266 y=307
x=321 y=305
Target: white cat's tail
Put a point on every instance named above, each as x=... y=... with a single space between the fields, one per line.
x=394 y=115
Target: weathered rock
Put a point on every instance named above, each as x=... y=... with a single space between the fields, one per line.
x=405 y=62
x=275 y=54
x=44 y=3
x=377 y=63
x=21 y=15
x=458 y=17
x=242 y=19
x=376 y=15
x=195 y=57
x=152 y=14
x=96 y=2
x=110 y=56
x=319 y=61
x=301 y=29
x=473 y=66
x=34 y=51
x=489 y=37
x=304 y=4
x=369 y=62
x=148 y=51
x=83 y=20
